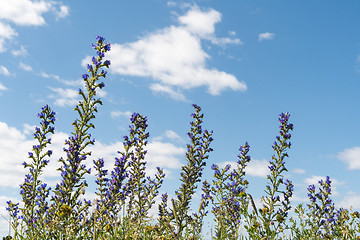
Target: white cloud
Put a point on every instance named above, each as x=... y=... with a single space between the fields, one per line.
x=6 y=33
x=21 y=52
x=200 y=22
x=64 y=12
x=64 y=97
x=299 y=171
x=25 y=67
x=28 y=129
x=351 y=200
x=266 y=36
x=173 y=57
x=163 y=155
x=173 y=135
x=232 y=33
x=351 y=157
x=116 y=114
x=13 y=151
x=255 y=168
x=45 y=75
x=25 y=13
x=258 y=168
x=169 y=134
x=2 y=87
x=225 y=41
x=177 y=95
x=171 y=3
x=73 y=83
x=4 y=71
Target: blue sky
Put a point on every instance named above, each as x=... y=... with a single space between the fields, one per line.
x=243 y=62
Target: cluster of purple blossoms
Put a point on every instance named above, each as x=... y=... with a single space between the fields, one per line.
x=322 y=209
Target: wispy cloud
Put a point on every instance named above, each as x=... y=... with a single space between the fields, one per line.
x=64 y=96
x=22 y=52
x=25 y=67
x=350 y=200
x=298 y=171
x=174 y=59
x=2 y=87
x=46 y=75
x=116 y=114
x=351 y=157
x=63 y=12
x=4 y=71
x=173 y=135
x=232 y=33
x=266 y=36
x=6 y=33
x=174 y=94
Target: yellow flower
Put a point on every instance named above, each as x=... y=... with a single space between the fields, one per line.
x=149 y=228
x=64 y=211
x=280 y=218
x=107 y=227
x=355 y=214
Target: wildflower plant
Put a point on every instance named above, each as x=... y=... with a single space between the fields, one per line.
x=321 y=220
x=197 y=153
x=276 y=202
x=142 y=190
x=33 y=191
x=228 y=196
x=68 y=208
x=125 y=194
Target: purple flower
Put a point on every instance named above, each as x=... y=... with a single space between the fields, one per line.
x=107 y=63
x=107 y=47
x=100 y=38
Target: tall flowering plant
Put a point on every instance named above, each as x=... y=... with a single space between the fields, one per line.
x=178 y=219
x=142 y=190
x=228 y=196
x=269 y=221
x=33 y=191
x=276 y=203
x=67 y=208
